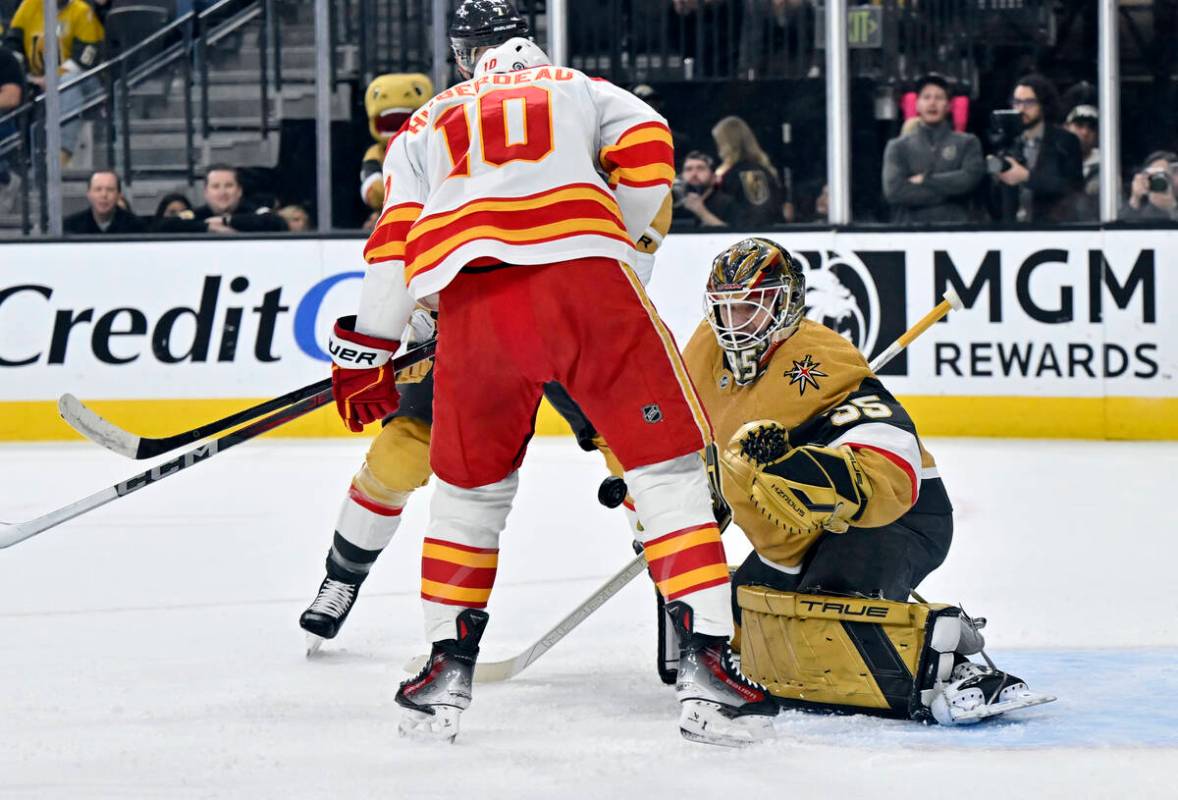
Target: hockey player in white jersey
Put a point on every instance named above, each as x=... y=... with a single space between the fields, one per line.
x=397 y=463
x=513 y=203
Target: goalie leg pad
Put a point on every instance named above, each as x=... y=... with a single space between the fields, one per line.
x=844 y=654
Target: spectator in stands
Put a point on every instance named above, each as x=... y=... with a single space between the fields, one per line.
x=1040 y=180
x=747 y=175
x=813 y=202
x=104 y=214
x=1152 y=194
x=12 y=84
x=930 y=175
x=1084 y=123
x=297 y=218
x=698 y=201
x=225 y=209
x=822 y=205
x=171 y=206
x=79 y=42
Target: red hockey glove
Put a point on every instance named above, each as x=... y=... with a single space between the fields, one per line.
x=362 y=379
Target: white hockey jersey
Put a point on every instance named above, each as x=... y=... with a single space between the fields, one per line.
x=530 y=166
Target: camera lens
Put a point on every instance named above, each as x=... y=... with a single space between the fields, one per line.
x=1159 y=182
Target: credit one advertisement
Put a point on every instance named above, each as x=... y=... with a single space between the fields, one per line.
x=1071 y=315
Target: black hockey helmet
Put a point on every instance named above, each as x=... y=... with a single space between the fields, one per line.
x=483 y=23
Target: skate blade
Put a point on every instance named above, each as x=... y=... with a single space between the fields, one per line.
x=441 y=726
x=313 y=643
x=705 y=723
x=1027 y=700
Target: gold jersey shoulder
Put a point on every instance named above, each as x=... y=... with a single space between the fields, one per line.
x=810 y=372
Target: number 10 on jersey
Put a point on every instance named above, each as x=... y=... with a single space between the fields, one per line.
x=515 y=124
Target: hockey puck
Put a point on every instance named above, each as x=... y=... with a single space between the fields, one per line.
x=612 y=492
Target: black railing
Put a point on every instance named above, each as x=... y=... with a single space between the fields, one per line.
x=394 y=35
x=630 y=42
x=175 y=46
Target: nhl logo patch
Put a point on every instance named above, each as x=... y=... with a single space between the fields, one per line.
x=652 y=413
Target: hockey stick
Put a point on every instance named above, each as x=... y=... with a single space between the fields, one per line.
x=503 y=670
x=103 y=432
x=492 y=671
x=950 y=302
x=11 y=534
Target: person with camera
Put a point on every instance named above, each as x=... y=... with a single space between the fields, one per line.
x=929 y=175
x=1083 y=122
x=698 y=203
x=1151 y=194
x=1037 y=170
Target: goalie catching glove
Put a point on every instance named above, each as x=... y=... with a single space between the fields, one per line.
x=802 y=490
x=362 y=379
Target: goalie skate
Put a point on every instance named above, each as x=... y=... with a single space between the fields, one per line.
x=976 y=692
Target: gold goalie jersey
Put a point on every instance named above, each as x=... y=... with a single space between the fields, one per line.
x=818 y=385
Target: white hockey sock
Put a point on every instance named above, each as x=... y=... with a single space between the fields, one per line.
x=682 y=541
x=460 y=554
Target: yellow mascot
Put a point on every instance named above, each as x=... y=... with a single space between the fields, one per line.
x=389 y=101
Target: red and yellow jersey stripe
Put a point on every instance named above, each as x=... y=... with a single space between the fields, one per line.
x=643 y=156
x=387 y=240
x=457 y=574
x=687 y=560
x=567 y=211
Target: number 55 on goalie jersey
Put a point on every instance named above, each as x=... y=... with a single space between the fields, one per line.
x=819 y=387
x=524 y=166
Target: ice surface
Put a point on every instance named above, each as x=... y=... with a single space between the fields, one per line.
x=151 y=648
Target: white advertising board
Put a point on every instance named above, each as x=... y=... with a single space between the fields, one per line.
x=1086 y=314
x=193 y=319
x=1071 y=314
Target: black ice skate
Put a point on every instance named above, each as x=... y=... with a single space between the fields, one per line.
x=325 y=616
x=434 y=698
x=719 y=704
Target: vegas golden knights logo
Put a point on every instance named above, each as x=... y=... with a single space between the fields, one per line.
x=756 y=186
x=805 y=373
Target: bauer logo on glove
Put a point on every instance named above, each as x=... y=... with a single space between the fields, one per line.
x=803 y=490
x=362 y=379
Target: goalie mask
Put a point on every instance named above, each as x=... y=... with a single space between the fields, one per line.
x=754 y=299
x=480 y=24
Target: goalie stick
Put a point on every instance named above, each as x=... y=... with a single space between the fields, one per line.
x=11 y=534
x=103 y=432
x=493 y=671
x=503 y=670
